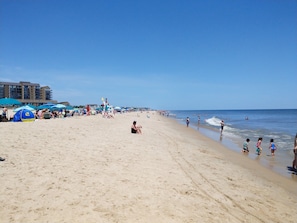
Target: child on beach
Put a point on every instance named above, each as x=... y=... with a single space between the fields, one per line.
x=272 y=147
x=245 y=147
x=259 y=148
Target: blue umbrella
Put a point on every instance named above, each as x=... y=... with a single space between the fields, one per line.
x=9 y=102
x=45 y=106
x=59 y=106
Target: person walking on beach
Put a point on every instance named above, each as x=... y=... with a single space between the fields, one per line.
x=222 y=126
x=294 y=164
x=188 y=121
x=272 y=147
x=259 y=148
x=245 y=147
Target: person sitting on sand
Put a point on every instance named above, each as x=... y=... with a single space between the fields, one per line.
x=245 y=147
x=4 y=115
x=135 y=128
x=4 y=112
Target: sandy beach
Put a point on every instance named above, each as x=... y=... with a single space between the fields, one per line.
x=92 y=169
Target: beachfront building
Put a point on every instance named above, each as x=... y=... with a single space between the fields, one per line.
x=27 y=92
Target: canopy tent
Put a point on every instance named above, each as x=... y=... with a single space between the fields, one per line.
x=24 y=115
x=9 y=102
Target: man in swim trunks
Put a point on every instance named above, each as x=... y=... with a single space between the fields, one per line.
x=222 y=126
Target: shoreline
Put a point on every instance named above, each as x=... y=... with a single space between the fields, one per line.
x=233 y=153
x=92 y=169
x=277 y=164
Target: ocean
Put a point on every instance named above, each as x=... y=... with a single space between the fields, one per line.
x=277 y=124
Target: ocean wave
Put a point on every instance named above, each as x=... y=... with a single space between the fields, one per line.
x=213 y=121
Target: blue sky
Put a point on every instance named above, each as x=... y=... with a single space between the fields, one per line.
x=193 y=54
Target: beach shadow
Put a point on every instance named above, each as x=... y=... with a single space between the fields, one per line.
x=292 y=171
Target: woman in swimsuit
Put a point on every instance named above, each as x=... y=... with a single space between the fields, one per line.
x=136 y=129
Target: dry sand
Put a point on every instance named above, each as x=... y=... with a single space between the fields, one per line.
x=92 y=169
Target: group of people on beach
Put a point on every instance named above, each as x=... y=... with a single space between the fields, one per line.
x=272 y=146
x=245 y=147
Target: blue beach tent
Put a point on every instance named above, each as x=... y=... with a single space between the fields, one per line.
x=24 y=115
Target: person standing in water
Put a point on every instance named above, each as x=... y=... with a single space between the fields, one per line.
x=245 y=146
x=272 y=147
x=188 y=121
x=222 y=126
x=259 y=148
x=294 y=164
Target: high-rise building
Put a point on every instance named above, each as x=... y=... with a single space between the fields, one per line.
x=26 y=92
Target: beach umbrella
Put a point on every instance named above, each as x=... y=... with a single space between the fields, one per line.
x=24 y=107
x=45 y=106
x=9 y=102
x=59 y=106
x=69 y=107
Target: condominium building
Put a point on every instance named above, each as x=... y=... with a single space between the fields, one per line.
x=26 y=92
